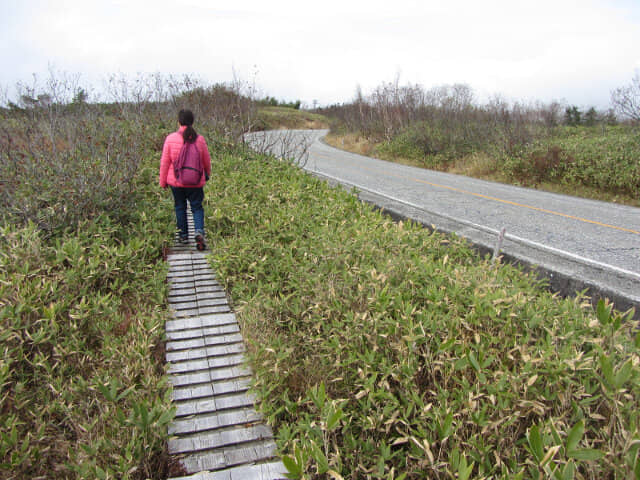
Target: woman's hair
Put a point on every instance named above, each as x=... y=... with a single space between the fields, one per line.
x=185 y=117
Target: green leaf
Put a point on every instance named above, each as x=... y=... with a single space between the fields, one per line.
x=464 y=470
x=603 y=313
x=318 y=395
x=617 y=322
x=574 y=436
x=124 y=393
x=88 y=449
x=100 y=473
x=556 y=436
x=295 y=470
x=535 y=443
x=474 y=362
x=144 y=416
x=586 y=454
x=320 y=458
x=461 y=363
x=334 y=419
x=569 y=471
x=606 y=365
x=167 y=416
x=106 y=392
x=445 y=427
x=623 y=374
x=454 y=458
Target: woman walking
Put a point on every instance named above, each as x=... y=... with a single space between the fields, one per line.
x=191 y=191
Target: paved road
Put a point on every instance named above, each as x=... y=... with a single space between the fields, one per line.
x=578 y=243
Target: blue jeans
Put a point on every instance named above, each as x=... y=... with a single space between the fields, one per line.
x=195 y=197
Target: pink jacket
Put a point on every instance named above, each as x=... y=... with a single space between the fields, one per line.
x=171 y=150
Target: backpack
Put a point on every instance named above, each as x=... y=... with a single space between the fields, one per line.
x=188 y=167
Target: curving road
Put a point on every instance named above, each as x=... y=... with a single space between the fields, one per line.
x=576 y=243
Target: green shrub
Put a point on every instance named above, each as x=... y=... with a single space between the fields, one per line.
x=82 y=300
x=80 y=312
x=592 y=157
x=541 y=163
x=386 y=351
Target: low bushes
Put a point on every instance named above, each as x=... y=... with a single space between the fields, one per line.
x=83 y=225
x=445 y=129
x=386 y=351
x=583 y=160
x=277 y=117
x=603 y=159
x=82 y=372
x=82 y=296
x=435 y=145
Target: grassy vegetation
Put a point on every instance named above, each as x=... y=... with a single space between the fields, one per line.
x=381 y=350
x=274 y=118
x=592 y=162
x=384 y=351
x=83 y=391
x=83 y=303
x=444 y=128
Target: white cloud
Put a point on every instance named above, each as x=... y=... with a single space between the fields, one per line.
x=578 y=50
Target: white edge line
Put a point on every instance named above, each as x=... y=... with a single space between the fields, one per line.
x=514 y=238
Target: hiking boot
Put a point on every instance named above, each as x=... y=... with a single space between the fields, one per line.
x=183 y=240
x=200 y=245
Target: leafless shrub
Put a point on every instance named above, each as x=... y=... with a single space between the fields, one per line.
x=550 y=114
x=229 y=110
x=626 y=100
x=62 y=161
x=65 y=157
x=226 y=109
x=291 y=145
x=444 y=118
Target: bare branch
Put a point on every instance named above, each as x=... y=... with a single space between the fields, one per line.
x=626 y=100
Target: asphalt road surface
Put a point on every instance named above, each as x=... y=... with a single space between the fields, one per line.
x=577 y=244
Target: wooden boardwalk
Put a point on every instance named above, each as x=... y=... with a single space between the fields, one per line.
x=217 y=434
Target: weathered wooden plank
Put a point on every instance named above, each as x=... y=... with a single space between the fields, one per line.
x=189 y=295
x=202 y=332
x=211 y=295
x=203 y=277
x=212 y=301
x=190 y=366
x=193 y=312
x=214 y=404
x=218 y=439
x=183 y=305
x=213 y=421
x=226 y=361
x=204 y=341
x=200 y=321
x=202 y=390
x=185 y=290
x=206 y=364
x=211 y=469
x=209 y=310
x=213 y=375
x=202 y=288
x=204 y=352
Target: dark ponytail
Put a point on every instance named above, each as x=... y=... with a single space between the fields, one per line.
x=185 y=118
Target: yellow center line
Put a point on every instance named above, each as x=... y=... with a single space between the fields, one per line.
x=508 y=202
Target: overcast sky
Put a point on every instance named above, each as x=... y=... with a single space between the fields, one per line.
x=572 y=50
